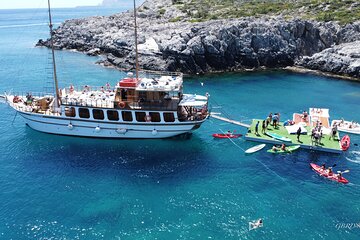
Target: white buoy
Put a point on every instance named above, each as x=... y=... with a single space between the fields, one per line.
x=121 y=130
x=154 y=132
x=70 y=126
x=97 y=129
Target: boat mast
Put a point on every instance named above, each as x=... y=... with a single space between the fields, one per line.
x=136 y=46
x=57 y=98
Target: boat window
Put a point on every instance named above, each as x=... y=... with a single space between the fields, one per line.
x=169 y=117
x=127 y=116
x=140 y=116
x=98 y=114
x=70 y=112
x=113 y=115
x=84 y=113
x=155 y=116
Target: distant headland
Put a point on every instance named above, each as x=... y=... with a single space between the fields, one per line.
x=219 y=36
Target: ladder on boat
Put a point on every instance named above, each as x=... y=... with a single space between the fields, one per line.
x=229 y=120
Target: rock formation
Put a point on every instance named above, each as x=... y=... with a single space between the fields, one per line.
x=216 y=45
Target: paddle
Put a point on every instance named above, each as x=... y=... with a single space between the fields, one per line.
x=345 y=171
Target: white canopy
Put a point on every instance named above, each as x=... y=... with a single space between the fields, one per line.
x=192 y=103
x=319 y=112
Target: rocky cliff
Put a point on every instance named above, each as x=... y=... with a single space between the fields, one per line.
x=214 y=45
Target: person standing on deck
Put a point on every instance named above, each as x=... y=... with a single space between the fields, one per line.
x=257 y=128
x=333 y=132
x=270 y=118
x=275 y=120
x=298 y=133
x=263 y=127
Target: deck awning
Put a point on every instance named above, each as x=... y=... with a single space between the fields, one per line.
x=187 y=103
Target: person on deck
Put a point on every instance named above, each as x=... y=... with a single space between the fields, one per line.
x=333 y=132
x=270 y=117
x=298 y=133
x=275 y=120
x=268 y=121
x=263 y=127
x=257 y=128
x=305 y=115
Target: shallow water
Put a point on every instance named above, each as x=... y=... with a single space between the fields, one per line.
x=78 y=188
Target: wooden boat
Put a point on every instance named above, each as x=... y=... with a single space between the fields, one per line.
x=141 y=105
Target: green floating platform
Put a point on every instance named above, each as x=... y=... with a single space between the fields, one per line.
x=327 y=145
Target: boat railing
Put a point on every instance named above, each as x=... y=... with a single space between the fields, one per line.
x=160 y=105
x=87 y=88
x=31 y=94
x=155 y=74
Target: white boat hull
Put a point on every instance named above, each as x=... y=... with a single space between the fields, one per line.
x=345 y=127
x=62 y=126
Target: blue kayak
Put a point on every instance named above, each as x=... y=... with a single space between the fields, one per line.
x=278 y=137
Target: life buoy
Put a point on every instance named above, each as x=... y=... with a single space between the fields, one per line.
x=147 y=118
x=121 y=104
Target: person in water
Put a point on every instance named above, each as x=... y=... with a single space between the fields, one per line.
x=256 y=224
x=283 y=147
x=275 y=148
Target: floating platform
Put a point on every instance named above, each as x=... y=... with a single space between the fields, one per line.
x=327 y=145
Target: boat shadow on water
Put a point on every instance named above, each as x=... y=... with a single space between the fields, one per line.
x=178 y=158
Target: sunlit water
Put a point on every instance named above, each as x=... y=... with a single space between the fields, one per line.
x=200 y=188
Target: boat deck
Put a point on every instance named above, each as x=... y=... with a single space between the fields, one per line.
x=327 y=145
x=298 y=118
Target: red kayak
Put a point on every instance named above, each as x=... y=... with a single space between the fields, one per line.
x=345 y=142
x=226 y=135
x=324 y=173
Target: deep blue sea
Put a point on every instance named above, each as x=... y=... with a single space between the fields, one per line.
x=55 y=187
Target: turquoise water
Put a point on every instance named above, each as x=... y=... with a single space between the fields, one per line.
x=201 y=188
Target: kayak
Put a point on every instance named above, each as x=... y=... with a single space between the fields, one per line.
x=287 y=149
x=255 y=148
x=324 y=173
x=345 y=142
x=278 y=137
x=226 y=135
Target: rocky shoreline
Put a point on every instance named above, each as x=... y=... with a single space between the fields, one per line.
x=216 y=45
